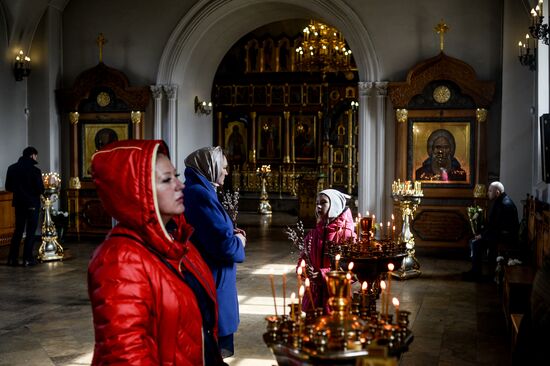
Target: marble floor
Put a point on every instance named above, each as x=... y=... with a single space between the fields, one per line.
x=45 y=316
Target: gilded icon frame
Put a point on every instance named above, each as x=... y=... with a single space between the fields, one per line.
x=94 y=132
x=304 y=137
x=462 y=167
x=269 y=132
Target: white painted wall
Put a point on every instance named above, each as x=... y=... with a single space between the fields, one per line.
x=519 y=147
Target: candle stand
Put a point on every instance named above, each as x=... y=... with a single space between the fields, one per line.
x=265 y=207
x=50 y=249
x=353 y=333
x=410 y=267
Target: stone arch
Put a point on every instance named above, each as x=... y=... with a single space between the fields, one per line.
x=210 y=28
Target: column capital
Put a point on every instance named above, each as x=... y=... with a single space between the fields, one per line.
x=381 y=88
x=171 y=91
x=365 y=88
x=156 y=90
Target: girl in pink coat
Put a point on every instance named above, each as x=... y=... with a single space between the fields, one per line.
x=334 y=224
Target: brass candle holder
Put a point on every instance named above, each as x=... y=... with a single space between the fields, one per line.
x=409 y=195
x=353 y=331
x=50 y=249
x=265 y=207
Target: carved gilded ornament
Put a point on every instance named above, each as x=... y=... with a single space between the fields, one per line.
x=441 y=94
x=401 y=115
x=73 y=117
x=74 y=183
x=136 y=117
x=480 y=191
x=103 y=99
x=481 y=114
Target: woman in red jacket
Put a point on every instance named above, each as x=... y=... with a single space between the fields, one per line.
x=153 y=297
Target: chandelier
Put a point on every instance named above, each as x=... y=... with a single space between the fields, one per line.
x=323 y=49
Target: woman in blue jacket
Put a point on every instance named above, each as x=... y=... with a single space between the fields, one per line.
x=221 y=245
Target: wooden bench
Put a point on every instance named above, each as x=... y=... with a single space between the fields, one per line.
x=518 y=282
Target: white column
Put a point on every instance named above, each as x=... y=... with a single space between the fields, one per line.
x=381 y=89
x=171 y=130
x=156 y=90
x=367 y=149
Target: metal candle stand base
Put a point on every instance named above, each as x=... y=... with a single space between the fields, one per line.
x=50 y=249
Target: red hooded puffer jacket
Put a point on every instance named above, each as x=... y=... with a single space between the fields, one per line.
x=143 y=313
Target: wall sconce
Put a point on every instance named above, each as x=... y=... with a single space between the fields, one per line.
x=22 y=66
x=354 y=105
x=538 y=32
x=526 y=57
x=202 y=107
x=537 y=29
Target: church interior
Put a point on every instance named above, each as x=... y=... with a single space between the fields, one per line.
x=413 y=110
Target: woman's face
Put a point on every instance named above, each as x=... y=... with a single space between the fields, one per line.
x=169 y=189
x=223 y=173
x=322 y=206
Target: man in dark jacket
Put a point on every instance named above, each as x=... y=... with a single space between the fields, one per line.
x=24 y=179
x=502 y=229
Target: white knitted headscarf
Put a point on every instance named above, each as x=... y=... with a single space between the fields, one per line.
x=337 y=202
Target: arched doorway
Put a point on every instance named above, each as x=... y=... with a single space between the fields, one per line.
x=201 y=39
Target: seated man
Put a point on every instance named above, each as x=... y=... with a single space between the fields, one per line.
x=502 y=228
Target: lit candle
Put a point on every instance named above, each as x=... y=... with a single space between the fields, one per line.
x=301 y=292
x=310 y=296
x=519 y=45
x=396 y=304
x=350 y=266
x=364 y=287
x=336 y=262
x=382 y=297
x=273 y=291
x=284 y=291
x=393 y=233
x=388 y=231
x=292 y=297
x=348 y=277
x=381 y=229
x=390 y=269
x=299 y=271
x=303 y=267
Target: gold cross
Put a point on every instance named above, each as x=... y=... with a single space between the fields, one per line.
x=100 y=43
x=441 y=29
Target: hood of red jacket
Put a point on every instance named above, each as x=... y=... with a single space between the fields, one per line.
x=124 y=175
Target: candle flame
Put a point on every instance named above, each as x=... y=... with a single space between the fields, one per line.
x=303 y=263
x=348 y=276
x=350 y=266
x=364 y=286
x=337 y=257
x=367 y=214
x=388 y=224
x=299 y=271
x=301 y=291
x=392 y=217
x=292 y=296
x=395 y=301
x=391 y=266
x=307 y=282
x=383 y=285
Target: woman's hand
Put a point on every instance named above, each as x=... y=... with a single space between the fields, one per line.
x=239 y=231
x=242 y=237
